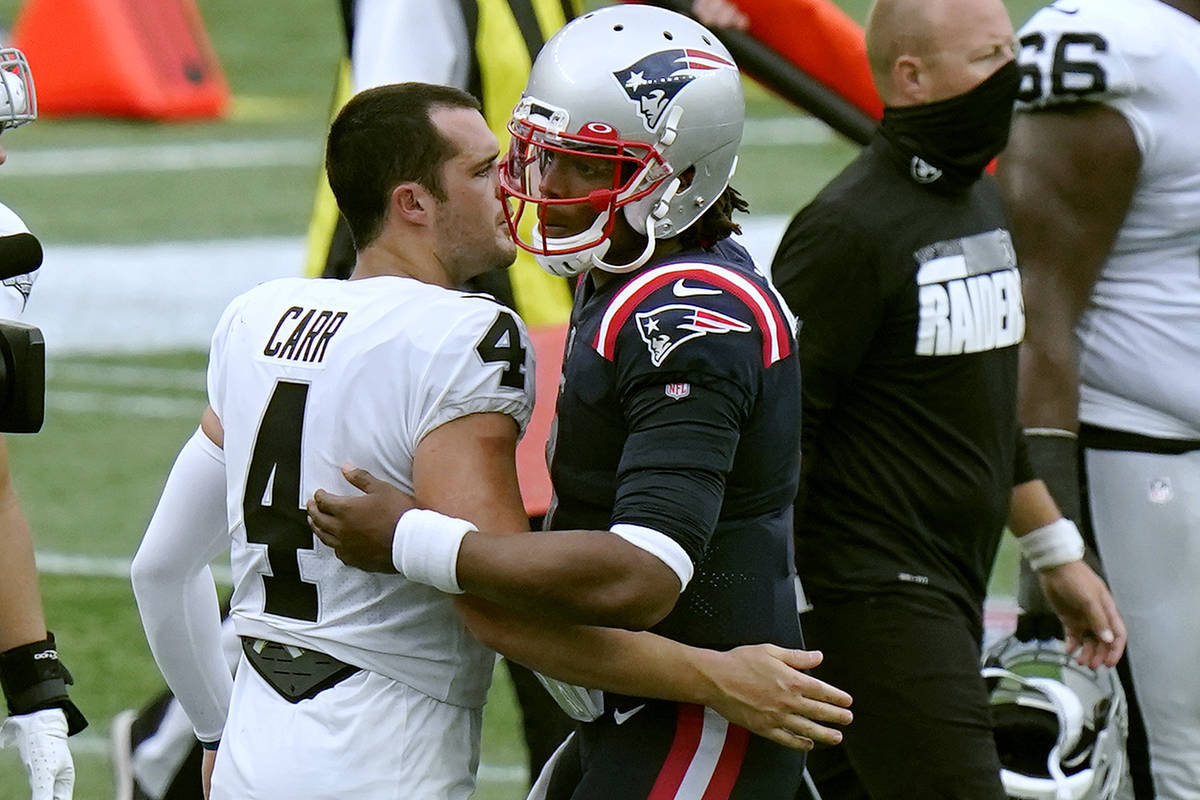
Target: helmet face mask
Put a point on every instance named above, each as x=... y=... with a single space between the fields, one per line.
x=1059 y=726
x=654 y=99
x=621 y=172
x=18 y=100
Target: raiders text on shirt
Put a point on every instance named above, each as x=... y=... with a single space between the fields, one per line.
x=310 y=332
x=970 y=295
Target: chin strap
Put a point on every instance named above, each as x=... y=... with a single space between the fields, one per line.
x=647 y=251
x=657 y=213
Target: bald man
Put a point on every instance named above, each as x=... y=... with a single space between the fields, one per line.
x=903 y=276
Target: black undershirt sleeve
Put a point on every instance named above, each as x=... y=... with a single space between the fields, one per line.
x=1022 y=467
x=672 y=472
x=829 y=277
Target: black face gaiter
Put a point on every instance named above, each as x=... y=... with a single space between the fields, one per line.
x=953 y=140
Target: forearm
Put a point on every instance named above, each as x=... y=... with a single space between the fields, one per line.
x=174 y=587
x=21 y=619
x=1046 y=538
x=635 y=663
x=1032 y=508
x=183 y=628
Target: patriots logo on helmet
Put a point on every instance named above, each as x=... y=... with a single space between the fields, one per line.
x=653 y=81
x=667 y=327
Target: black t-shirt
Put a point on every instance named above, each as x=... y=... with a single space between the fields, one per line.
x=909 y=303
x=677 y=413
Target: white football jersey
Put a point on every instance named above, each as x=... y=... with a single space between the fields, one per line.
x=309 y=374
x=1139 y=340
x=14 y=292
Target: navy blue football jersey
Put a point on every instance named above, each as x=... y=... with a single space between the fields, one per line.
x=678 y=411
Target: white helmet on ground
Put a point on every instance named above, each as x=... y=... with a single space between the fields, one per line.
x=646 y=89
x=18 y=101
x=1059 y=726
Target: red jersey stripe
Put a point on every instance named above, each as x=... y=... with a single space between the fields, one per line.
x=689 y=725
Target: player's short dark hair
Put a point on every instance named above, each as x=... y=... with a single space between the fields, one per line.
x=716 y=223
x=384 y=137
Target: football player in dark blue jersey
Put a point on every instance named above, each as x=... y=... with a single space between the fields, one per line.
x=675 y=457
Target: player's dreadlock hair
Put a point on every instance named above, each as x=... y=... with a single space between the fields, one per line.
x=716 y=223
x=382 y=138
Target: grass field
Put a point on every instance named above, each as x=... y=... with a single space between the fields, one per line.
x=89 y=480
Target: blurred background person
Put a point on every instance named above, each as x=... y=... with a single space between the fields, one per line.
x=33 y=677
x=1102 y=181
x=911 y=449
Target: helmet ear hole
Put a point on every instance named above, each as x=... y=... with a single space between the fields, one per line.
x=686 y=178
x=1023 y=738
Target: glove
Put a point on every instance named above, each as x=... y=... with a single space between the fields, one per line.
x=41 y=739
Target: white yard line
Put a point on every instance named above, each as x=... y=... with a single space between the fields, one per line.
x=1000 y=611
x=169 y=295
x=119 y=375
x=788 y=131
x=173 y=157
x=55 y=562
x=95 y=744
x=127 y=405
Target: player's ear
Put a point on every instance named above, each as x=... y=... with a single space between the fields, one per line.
x=907 y=74
x=412 y=202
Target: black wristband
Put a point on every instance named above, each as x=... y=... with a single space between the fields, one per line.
x=1054 y=455
x=33 y=678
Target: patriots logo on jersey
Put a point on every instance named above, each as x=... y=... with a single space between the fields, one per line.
x=667 y=327
x=652 y=82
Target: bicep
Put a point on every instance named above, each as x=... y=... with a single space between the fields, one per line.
x=1068 y=177
x=467 y=468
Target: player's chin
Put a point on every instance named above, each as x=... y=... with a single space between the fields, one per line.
x=506 y=251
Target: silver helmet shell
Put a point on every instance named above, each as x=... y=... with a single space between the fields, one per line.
x=649 y=89
x=1060 y=727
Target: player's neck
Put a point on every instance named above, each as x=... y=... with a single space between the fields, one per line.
x=377 y=259
x=625 y=252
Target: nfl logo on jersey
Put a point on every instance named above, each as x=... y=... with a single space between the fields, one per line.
x=678 y=391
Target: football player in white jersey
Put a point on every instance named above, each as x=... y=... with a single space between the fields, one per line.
x=356 y=684
x=33 y=679
x=1102 y=176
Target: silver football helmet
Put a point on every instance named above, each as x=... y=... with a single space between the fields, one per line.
x=1060 y=727
x=18 y=101
x=651 y=93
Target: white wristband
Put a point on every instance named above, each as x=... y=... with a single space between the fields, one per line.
x=1052 y=545
x=425 y=548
